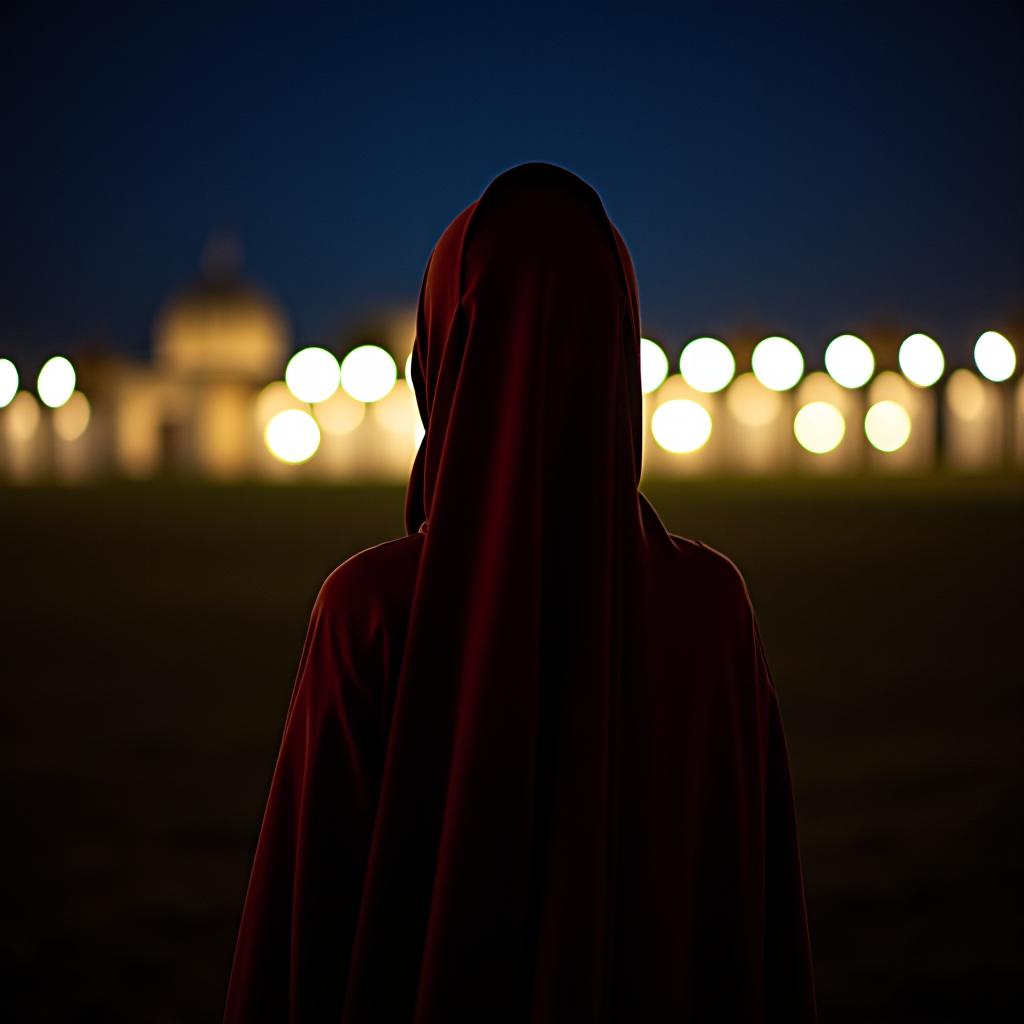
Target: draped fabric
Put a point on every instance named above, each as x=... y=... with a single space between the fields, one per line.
x=533 y=768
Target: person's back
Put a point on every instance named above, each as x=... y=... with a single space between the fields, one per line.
x=533 y=767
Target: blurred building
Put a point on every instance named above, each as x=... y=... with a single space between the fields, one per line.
x=216 y=343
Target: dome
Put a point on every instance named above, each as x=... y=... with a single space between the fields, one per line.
x=221 y=327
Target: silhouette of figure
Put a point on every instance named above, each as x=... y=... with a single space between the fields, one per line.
x=533 y=767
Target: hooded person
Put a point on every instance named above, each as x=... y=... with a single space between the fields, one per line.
x=533 y=767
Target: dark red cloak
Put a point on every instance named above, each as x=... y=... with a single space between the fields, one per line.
x=533 y=767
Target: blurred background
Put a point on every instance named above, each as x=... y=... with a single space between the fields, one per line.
x=216 y=220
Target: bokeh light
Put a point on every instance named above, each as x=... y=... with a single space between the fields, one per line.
x=275 y=398
x=751 y=402
x=340 y=414
x=23 y=416
x=56 y=381
x=292 y=436
x=312 y=374
x=849 y=361
x=819 y=427
x=921 y=360
x=707 y=365
x=681 y=425
x=368 y=373
x=408 y=373
x=653 y=365
x=397 y=412
x=994 y=356
x=777 y=363
x=966 y=394
x=887 y=425
x=8 y=382
x=71 y=419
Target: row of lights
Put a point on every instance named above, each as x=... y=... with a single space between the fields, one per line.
x=55 y=386
x=314 y=377
x=368 y=373
x=708 y=365
x=682 y=425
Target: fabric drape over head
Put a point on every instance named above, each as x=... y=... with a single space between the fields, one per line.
x=573 y=799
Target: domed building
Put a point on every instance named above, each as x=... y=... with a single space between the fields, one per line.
x=216 y=343
x=220 y=327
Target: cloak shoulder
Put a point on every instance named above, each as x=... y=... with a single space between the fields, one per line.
x=302 y=902
x=749 y=825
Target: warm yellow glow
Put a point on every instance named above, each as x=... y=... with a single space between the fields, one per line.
x=895 y=386
x=819 y=427
x=887 y=425
x=966 y=394
x=707 y=365
x=368 y=373
x=751 y=402
x=921 y=360
x=408 y=373
x=8 y=382
x=275 y=398
x=681 y=425
x=292 y=436
x=339 y=414
x=23 y=415
x=653 y=365
x=397 y=413
x=777 y=363
x=56 y=381
x=71 y=419
x=994 y=356
x=849 y=361
x=312 y=374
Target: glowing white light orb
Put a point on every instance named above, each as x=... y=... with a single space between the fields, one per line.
x=292 y=436
x=56 y=381
x=339 y=414
x=653 y=365
x=849 y=361
x=408 y=373
x=921 y=360
x=681 y=425
x=312 y=374
x=707 y=365
x=8 y=382
x=368 y=373
x=887 y=425
x=994 y=356
x=966 y=394
x=819 y=427
x=777 y=363
x=71 y=419
x=751 y=402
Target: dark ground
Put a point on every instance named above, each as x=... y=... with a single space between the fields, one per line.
x=150 y=636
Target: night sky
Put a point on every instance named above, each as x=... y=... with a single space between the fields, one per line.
x=790 y=168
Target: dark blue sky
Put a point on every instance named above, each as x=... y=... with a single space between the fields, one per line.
x=785 y=168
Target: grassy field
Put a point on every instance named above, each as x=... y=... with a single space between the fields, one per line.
x=149 y=641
